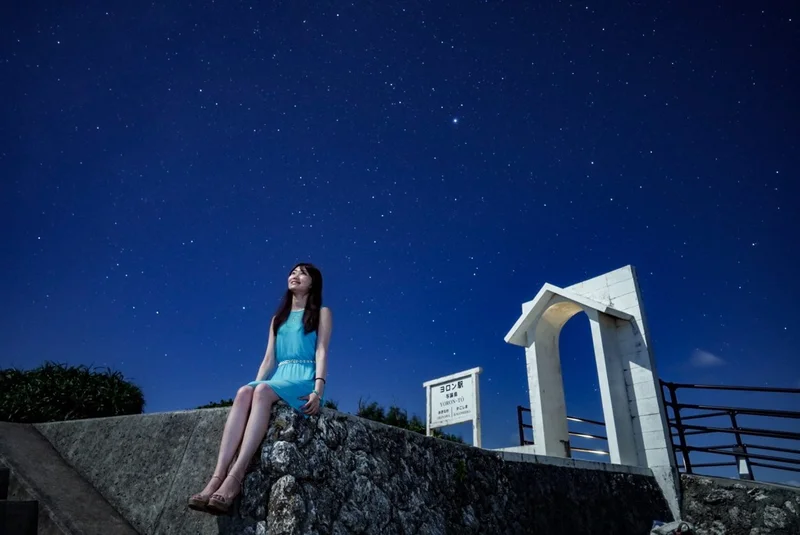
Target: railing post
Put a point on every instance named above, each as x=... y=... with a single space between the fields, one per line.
x=742 y=460
x=673 y=397
x=567 y=448
x=519 y=423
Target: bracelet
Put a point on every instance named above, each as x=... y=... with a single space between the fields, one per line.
x=320 y=379
x=317 y=393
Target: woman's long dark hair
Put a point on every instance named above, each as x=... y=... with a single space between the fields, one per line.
x=313 y=302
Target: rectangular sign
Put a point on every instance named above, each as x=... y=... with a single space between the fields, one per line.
x=452 y=402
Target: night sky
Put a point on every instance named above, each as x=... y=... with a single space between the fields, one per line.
x=165 y=164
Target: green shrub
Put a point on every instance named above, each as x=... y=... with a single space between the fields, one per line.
x=56 y=392
x=399 y=418
x=217 y=404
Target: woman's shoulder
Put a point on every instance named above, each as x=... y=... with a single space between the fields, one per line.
x=325 y=315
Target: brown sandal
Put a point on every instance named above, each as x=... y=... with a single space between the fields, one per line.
x=218 y=504
x=199 y=501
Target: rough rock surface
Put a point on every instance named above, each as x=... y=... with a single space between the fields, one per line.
x=731 y=507
x=339 y=474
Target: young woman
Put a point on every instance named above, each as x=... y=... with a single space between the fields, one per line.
x=298 y=343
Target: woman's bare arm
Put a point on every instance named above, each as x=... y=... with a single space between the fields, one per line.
x=269 y=356
x=323 y=339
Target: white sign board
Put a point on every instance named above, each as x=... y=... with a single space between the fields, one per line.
x=453 y=402
x=454 y=399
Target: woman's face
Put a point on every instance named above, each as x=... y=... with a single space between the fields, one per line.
x=299 y=280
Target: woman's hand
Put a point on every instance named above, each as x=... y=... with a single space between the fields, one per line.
x=312 y=405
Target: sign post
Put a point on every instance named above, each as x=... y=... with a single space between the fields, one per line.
x=454 y=399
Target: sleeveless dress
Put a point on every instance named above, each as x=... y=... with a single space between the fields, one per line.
x=295 y=354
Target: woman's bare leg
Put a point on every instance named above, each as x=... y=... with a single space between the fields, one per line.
x=231 y=437
x=257 y=424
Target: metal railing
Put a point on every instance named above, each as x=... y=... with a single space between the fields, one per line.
x=686 y=425
x=568 y=446
x=743 y=453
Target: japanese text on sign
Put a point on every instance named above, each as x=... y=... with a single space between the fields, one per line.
x=452 y=402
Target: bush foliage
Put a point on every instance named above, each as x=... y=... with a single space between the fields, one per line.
x=217 y=404
x=399 y=418
x=57 y=392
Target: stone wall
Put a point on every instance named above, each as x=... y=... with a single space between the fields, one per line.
x=734 y=507
x=340 y=474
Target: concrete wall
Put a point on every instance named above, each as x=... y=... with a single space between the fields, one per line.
x=340 y=474
x=19 y=491
x=733 y=507
x=66 y=503
x=146 y=466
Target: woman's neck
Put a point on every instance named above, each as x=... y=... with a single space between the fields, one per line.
x=299 y=302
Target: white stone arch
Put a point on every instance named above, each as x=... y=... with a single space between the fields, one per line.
x=635 y=420
x=633 y=410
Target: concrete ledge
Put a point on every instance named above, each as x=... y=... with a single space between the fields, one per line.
x=146 y=466
x=508 y=454
x=67 y=503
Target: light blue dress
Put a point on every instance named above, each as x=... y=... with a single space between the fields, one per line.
x=295 y=353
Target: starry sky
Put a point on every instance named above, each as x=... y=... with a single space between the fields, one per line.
x=165 y=164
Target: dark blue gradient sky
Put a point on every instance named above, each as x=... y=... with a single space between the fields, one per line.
x=164 y=165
